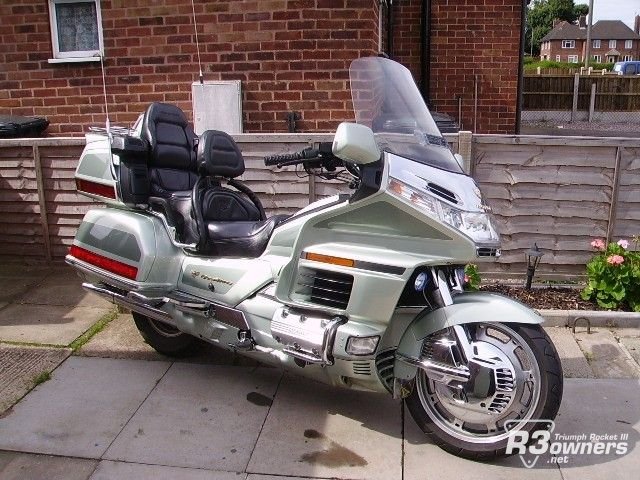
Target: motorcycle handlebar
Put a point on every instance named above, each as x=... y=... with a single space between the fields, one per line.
x=299 y=157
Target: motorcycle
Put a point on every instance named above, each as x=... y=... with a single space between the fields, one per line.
x=362 y=290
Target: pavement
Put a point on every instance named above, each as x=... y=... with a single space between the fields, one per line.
x=83 y=397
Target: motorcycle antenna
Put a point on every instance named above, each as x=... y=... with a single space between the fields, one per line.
x=107 y=122
x=195 y=28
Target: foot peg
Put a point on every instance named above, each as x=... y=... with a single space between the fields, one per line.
x=245 y=342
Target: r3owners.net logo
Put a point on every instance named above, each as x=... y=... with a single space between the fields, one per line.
x=542 y=440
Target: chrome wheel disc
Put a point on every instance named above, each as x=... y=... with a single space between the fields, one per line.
x=504 y=386
x=164 y=329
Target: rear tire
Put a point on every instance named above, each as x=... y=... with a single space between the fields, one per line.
x=164 y=338
x=425 y=405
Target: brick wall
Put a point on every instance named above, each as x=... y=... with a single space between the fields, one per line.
x=468 y=38
x=290 y=55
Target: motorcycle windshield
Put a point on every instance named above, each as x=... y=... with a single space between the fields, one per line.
x=387 y=100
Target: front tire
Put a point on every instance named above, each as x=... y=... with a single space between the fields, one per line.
x=479 y=432
x=164 y=338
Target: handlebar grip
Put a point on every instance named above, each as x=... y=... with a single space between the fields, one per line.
x=272 y=160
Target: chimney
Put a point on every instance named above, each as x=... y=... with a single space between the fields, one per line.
x=556 y=22
x=582 y=21
x=636 y=27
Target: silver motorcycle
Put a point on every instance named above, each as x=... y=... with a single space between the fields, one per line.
x=361 y=290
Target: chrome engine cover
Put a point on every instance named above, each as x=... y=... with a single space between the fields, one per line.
x=306 y=336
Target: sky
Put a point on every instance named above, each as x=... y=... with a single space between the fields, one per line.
x=624 y=10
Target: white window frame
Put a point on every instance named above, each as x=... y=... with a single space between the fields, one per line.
x=558 y=58
x=612 y=44
x=628 y=44
x=596 y=58
x=596 y=44
x=79 y=55
x=572 y=59
x=627 y=58
x=568 y=44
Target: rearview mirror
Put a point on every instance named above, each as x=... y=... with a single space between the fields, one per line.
x=355 y=143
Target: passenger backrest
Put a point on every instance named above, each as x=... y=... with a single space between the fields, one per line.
x=172 y=165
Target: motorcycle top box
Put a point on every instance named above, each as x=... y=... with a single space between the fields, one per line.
x=360 y=290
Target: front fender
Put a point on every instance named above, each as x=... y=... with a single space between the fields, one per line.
x=466 y=308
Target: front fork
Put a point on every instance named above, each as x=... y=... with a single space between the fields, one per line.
x=438 y=342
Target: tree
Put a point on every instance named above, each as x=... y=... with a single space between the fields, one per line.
x=540 y=17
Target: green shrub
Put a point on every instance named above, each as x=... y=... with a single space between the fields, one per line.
x=614 y=275
x=472 y=277
x=532 y=64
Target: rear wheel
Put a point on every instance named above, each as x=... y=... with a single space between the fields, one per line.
x=516 y=380
x=165 y=338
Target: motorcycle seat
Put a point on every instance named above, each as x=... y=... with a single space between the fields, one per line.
x=231 y=221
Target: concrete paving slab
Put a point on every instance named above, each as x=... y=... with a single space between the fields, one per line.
x=82 y=409
x=108 y=470
x=121 y=339
x=424 y=460
x=253 y=476
x=606 y=358
x=314 y=430
x=574 y=365
x=26 y=466
x=46 y=324
x=14 y=287
x=625 y=332
x=632 y=344
x=20 y=366
x=199 y=416
x=64 y=288
x=601 y=407
x=3 y=304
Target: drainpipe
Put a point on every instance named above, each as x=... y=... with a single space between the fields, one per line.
x=390 y=28
x=425 y=51
x=519 y=101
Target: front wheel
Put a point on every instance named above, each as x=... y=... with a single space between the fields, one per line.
x=515 y=380
x=164 y=338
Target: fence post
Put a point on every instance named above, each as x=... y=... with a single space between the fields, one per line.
x=614 y=195
x=42 y=202
x=464 y=149
x=574 y=110
x=592 y=102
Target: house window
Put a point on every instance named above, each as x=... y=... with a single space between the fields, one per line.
x=628 y=44
x=568 y=44
x=596 y=58
x=627 y=58
x=76 y=30
x=573 y=58
x=612 y=44
x=596 y=44
x=557 y=58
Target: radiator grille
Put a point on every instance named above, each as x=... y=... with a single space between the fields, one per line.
x=323 y=287
x=362 y=368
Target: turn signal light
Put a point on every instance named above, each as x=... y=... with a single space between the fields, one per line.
x=113 y=266
x=317 y=257
x=94 y=188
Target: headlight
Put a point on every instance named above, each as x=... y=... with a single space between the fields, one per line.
x=475 y=225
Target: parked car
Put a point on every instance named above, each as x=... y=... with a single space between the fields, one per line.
x=627 y=68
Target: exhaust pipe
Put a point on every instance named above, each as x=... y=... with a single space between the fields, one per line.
x=133 y=301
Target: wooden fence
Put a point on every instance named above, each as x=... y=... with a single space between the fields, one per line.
x=554 y=92
x=560 y=192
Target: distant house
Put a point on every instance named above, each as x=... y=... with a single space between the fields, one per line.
x=611 y=41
